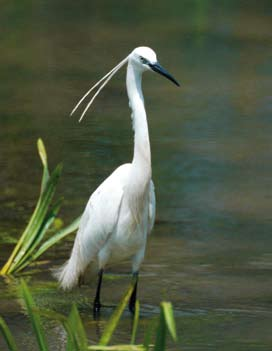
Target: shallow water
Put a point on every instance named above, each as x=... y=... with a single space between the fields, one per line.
x=211 y=250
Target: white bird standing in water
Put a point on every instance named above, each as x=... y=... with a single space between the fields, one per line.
x=121 y=212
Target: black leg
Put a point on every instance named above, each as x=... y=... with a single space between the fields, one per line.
x=97 y=304
x=133 y=297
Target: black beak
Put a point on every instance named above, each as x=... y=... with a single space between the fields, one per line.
x=156 y=67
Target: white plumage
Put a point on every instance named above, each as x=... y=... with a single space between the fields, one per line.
x=110 y=229
x=121 y=212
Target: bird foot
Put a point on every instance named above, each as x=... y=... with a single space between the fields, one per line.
x=132 y=308
x=96 y=308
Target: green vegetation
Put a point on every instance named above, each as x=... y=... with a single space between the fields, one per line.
x=31 y=244
x=76 y=338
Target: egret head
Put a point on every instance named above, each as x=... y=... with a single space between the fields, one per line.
x=144 y=58
x=141 y=57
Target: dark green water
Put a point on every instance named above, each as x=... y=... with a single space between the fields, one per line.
x=211 y=249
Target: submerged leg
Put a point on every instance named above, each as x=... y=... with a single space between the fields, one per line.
x=97 y=304
x=133 y=297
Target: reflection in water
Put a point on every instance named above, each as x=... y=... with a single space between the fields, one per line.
x=210 y=253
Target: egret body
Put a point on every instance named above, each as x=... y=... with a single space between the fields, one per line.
x=121 y=212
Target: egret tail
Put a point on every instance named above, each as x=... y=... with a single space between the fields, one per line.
x=68 y=275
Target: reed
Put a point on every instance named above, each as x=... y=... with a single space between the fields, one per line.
x=76 y=338
x=32 y=244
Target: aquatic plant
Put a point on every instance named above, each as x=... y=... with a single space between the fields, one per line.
x=31 y=245
x=76 y=339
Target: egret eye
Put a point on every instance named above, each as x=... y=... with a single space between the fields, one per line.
x=143 y=60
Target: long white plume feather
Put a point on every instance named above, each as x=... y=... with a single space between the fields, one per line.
x=103 y=81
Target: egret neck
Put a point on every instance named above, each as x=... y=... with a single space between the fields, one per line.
x=141 y=163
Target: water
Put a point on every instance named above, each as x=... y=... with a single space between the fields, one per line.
x=210 y=253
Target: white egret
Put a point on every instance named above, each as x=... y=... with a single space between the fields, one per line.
x=121 y=212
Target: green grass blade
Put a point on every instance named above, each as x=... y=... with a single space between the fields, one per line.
x=169 y=319
x=45 y=178
x=43 y=157
x=71 y=344
x=57 y=237
x=78 y=329
x=37 y=218
x=28 y=257
x=160 y=334
x=71 y=340
x=166 y=322
x=42 y=209
x=112 y=323
x=135 y=322
x=149 y=333
x=34 y=317
x=7 y=335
